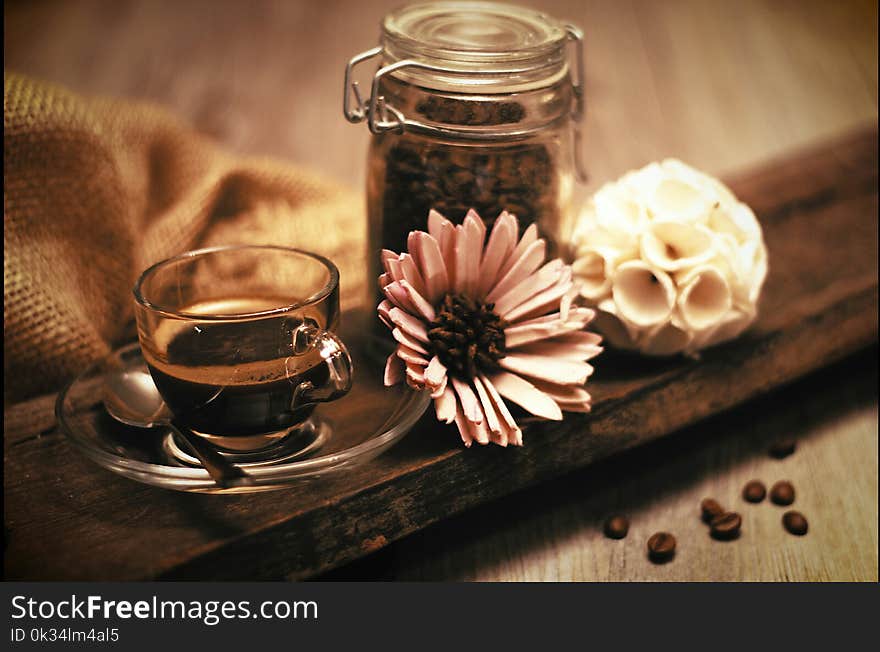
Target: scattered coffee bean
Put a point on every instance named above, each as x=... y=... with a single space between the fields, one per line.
x=616 y=527
x=661 y=547
x=726 y=526
x=782 y=493
x=710 y=509
x=754 y=491
x=795 y=522
x=782 y=447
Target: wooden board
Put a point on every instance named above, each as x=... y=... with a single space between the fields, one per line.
x=554 y=531
x=68 y=519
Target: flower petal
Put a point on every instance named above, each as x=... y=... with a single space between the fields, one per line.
x=427 y=256
x=398 y=296
x=580 y=316
x=614 y=327
x=467 y=257
x=492 y=420
x=502 y=240
x=392 y=266
x=408 y=324
x=670 y=338
x=704 y=297
x=585 y=347
x=474 y=218
x=436 y=224
x=526 y=395
x=563 y=372
x=415 y=377
x=526 y=264
x=440 y=388
x=409 y=341
x=498 y=438
x=410 y=356
x=677 y=198
x=445 y=406
x=476 y=236
x=421 y=306
x=471 y=431
x=672 y=246
x=479 y=431
x=514 y=434
x=523 y=334
x=530 y=236
x=570 y=399
x=594 y=267
x=443 y=231
x=410 y=272
x=412 y=246
x=566 y=304
x=435 y=373
x=518 y=440
x=447 y=251
x=385 y=255
x=545 y=277
x=384 y=306
x=543 y=301
x=394 y=370
x=463 y=428
x=643 y=295
x=461 y=254
x=469 y=403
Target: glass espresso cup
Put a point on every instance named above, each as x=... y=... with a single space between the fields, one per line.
x=240 y=341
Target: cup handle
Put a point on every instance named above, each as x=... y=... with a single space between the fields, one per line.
x=336 y=357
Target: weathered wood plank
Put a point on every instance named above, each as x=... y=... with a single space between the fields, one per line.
x=554 y=531
x=68 y=519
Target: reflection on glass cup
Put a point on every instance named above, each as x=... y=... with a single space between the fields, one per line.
x=240 y=340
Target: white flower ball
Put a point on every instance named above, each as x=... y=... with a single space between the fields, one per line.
x=671 y=260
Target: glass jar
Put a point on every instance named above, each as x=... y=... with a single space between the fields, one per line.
x=473 y=105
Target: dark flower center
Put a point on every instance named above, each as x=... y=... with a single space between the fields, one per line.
x=467 y=336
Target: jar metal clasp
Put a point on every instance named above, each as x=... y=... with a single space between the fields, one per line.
x=358 y=113
x=375 y=111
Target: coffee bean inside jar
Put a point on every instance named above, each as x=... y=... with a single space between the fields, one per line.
x=420 y=174
x=473 y=106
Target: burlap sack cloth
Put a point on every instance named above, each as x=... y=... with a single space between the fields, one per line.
x=95 y=190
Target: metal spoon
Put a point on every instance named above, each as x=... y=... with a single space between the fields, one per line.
x=132 y=398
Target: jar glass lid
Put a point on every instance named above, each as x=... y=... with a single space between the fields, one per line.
x=498 y=47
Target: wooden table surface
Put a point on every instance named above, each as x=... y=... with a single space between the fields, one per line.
x=721 y=85
x=554 y=532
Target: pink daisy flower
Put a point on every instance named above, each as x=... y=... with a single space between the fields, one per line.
x=480 y=325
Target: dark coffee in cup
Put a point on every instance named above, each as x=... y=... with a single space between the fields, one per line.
x=235 y=379
x=240 y=343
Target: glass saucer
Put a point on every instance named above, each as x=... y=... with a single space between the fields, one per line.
x=343 y=434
